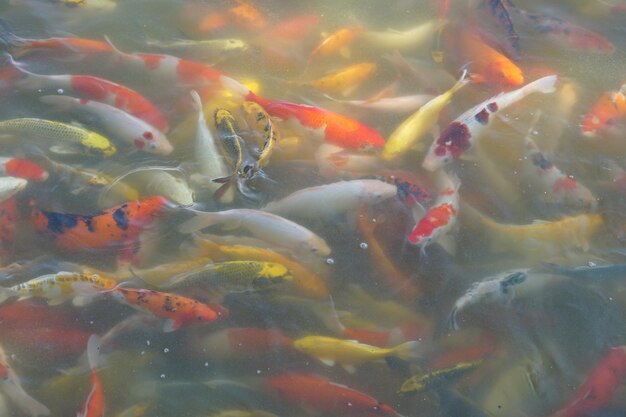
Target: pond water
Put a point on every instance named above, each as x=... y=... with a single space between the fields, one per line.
x=330 y=208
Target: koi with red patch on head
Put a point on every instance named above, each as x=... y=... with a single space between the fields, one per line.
x=610 y=108
x=117 y=228
x=331 y=127
x=177 y=310
x=440 y=219
x=461 y=135
x=322 y=396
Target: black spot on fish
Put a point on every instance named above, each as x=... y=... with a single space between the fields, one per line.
x=89 y=224
x=482 y=117
x=541 y=162
x=120 y=218
x=58 y=222
x=492 y=107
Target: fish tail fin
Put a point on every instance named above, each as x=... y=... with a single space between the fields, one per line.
x=462 y=82
x=409 y=351
x=544 y=85
x=200 y=221
x=453 y=324
x=93 y=351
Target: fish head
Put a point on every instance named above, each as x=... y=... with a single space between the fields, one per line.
x=305 y=345
x=573 y=194
x=97 y=145
x=317 y=246
x=604 y=113
x=202 y=313
x=377 y=191
x=153 y=141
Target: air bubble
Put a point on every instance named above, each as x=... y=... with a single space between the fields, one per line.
x=363 y=245
x=162 y=376
x=330 y=261
x=166 y=350
x=60 y=91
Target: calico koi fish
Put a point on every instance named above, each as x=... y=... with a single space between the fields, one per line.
x=266 y=226
x=66 y=138
x=461 y=135
x=243 y=342
x=258 y=119
x=332 y=199
x=500 y=288
x=436 y=378
x=94 y=403
x=178 y=311
x=23 y=168
x=440 y=218
x=609 y=108
x=233 y=276
x=348 y=353
x=11 y=386
x=59 y=287
x=321 y=124
x=132 y=130
x=322 y=396
x=599 y=387
x=117 y=228
x=88 y=87
x=418 y=124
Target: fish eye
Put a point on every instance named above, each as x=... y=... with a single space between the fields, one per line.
x=376 y=407
x=153 y=145
x=200 y=318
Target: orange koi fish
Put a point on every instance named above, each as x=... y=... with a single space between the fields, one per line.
x=486 y=65
x=22 y=168
x=117 y=228
x=94 y=403
x=322 y=124
x=609 y=108
x=344 y=81
x=246 y=16
x=177 y=310
x=599 y=387
x=88 y=87
x=243 y=342
x=336 y=42
x=322 y=396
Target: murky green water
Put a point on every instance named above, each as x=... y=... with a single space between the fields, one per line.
x=538 y=340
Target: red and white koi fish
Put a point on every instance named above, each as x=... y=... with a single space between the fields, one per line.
x=22 y=168
x=461 y=135
x=11 y=386
x=549 y=184
x=609 y=108
x=88 y=87
x=178 y=311
x=94 y=403
x=599 y=387
x=321 y=124
x=440 y=219
x=117 y=123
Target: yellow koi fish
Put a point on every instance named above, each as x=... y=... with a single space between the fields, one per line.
x=344 y=81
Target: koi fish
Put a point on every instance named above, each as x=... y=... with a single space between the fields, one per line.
x=348 y=353
x=66 y=138
x=441 y=217
x=258 y=118
x=383 y=336
x=549 y=184
x=246 y=16
x=9 y=186
x=437 y=378
x=9 y=217
x=405 y=288
x=233 y=276
x=11 y=386
x=568 y=34
x=94 y=403
x=461 y=135
x=266 y=226
x=22 y=168
x=609 y=108
x=394 y=105
x=167 y=182
x=322 y=396
x=243 y=342
x=499 y=288
x=418 y=124
x=499 y=12
x=59 y=287
x=117 y=228
x=540 y=237
x=119 y=124
x=401 y=40
x=336 y=43
x=333 y=161
x=88 y=87
x=332 y=199
x=208 y=50
x=321 y=124
x=344 y=81
x=207 y=154
x=487 y=64
x=178 y=311
x=599 y=387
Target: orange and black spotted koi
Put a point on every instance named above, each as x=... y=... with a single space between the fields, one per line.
x=177 y=310
x=117 y=228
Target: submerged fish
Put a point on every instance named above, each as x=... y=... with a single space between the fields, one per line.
x=437 y=378
x=205 y=50
x=95 y=401
x=9 y=186
x=258 y=118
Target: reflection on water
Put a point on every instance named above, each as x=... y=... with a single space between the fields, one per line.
x=344 y=218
